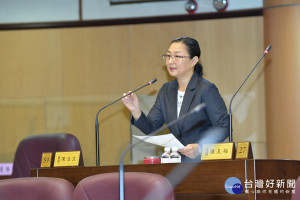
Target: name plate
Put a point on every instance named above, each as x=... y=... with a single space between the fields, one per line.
x=244 y=150
x=220 y=151
x=6 y=169
x=66 y=159
x=46 y=160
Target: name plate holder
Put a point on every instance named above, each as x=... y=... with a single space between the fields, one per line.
x=67 y=159
x=219 y=151
x=244 y=151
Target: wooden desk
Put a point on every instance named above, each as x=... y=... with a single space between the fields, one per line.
x=206 y=180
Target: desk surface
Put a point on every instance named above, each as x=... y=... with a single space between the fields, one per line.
x=205 y=179
x=4 y=177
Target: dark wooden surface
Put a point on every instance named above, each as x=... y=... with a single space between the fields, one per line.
x=277 y=170
x=205 y=180
x=4 y=177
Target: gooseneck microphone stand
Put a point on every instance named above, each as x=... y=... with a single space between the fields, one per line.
x=97 y=122
x=230 y=111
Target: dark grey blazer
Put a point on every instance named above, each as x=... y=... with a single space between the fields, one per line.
x=193 y=128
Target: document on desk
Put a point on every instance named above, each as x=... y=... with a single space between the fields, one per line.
x=166 y=140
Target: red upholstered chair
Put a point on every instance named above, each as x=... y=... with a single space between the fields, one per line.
x=30 y=149
x=36 y=188
x=296 y=196
x=137 y=186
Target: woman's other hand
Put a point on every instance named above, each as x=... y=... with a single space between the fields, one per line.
x=191 y=150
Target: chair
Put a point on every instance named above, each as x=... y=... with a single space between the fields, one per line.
x=137 y=186
x=296 y=195
x=30 y=149
x=36 y=188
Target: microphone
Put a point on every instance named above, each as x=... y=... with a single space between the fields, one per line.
x=121 y=167
x=267 y=49
x=230 y=112
x=97 y=122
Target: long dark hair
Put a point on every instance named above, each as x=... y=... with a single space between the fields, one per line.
x=193 y=50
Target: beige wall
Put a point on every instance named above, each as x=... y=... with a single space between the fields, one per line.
x=55 y=80
x=282 y=30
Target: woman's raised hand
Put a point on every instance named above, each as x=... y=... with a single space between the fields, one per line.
x=132 y=103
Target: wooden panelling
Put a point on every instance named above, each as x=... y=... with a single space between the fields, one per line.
x=282 y=30
x=69 y=74
x=30 y=64
x=95 y=60
x=114 y=133
x=268 y=3
x=19 y=119
x=229 y=53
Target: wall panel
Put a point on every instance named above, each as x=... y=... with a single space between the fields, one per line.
x=30 y=63
x=19 y=119
x=95 y=60
x=282 y=30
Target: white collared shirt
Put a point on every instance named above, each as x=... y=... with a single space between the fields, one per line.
x=180 y=96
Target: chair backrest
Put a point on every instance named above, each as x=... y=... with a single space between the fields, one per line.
x=296 y=195
x=137 y=186
x=30 y=149
x=36 y=188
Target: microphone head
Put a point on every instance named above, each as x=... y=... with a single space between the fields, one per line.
x=152 y=81
x=268 y=49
